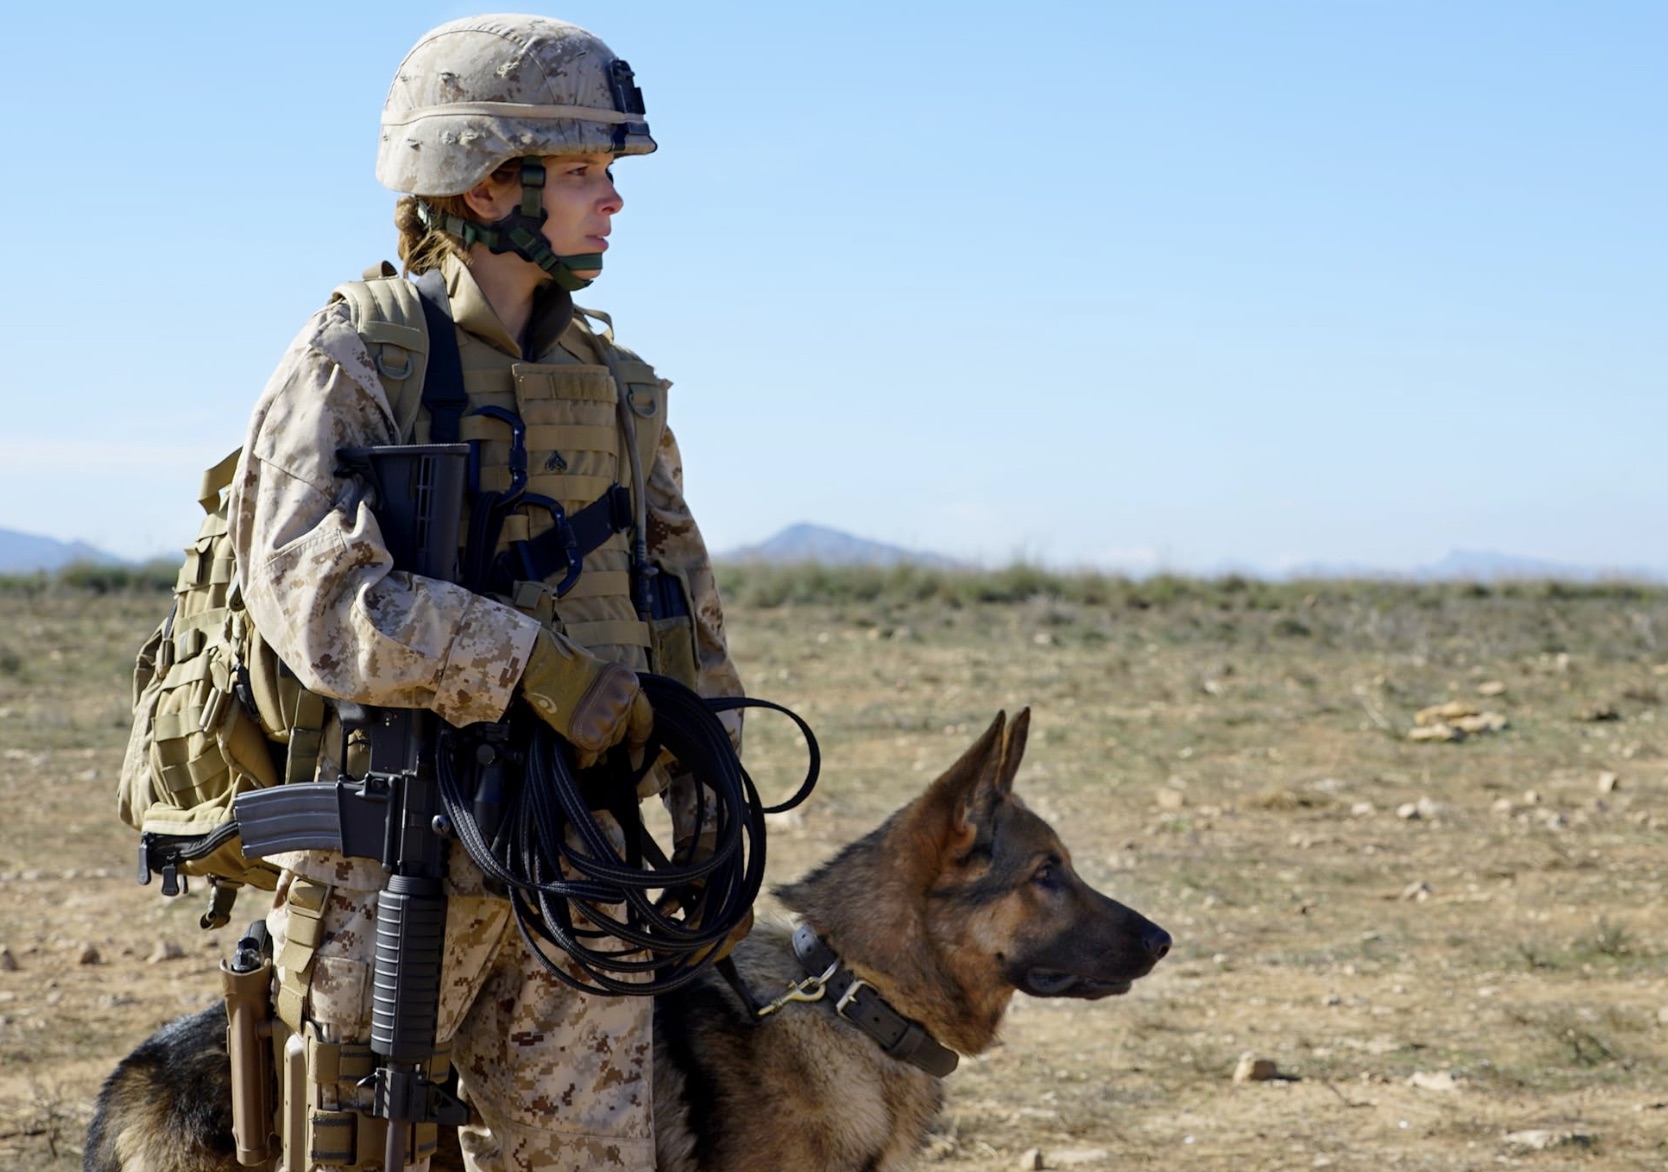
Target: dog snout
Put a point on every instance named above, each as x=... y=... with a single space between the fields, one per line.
x=1156 y=941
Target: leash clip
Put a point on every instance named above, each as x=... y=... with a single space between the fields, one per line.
x=809 y=989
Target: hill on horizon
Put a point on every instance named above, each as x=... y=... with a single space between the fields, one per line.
x=28 y=553
x=806 y=542
x=810 y=543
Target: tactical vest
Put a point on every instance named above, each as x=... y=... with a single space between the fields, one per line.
x=575 y=446
x=576 y=451
x=216 y=712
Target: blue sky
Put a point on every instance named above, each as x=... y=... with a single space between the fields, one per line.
x=1130 y=285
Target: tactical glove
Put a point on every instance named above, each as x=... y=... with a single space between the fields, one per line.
x=737 y=934
x=591 y=703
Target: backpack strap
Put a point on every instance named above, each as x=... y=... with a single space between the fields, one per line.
x=217 y=479
x=407 y=329
x=388 y=315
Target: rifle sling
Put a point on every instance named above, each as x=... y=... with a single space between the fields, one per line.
x=443 y=392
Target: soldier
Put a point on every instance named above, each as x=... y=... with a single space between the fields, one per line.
x=501 y=133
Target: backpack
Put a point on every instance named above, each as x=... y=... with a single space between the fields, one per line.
x=215 y=711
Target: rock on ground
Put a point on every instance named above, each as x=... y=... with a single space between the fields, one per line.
x=1541 y=1140
x=1254 y=1069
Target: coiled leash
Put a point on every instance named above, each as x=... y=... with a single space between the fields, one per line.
x=641 y=924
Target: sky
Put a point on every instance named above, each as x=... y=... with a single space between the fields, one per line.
x=1122 y=285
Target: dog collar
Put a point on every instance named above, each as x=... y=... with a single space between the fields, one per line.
x=858 y=1002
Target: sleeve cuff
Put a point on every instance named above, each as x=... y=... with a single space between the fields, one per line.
x=487 y=656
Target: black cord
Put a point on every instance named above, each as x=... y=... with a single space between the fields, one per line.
x=643 y=923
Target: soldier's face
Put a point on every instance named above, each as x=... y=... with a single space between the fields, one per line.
x=581 y=200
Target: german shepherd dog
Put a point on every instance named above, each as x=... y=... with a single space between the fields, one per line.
x=826 y=1048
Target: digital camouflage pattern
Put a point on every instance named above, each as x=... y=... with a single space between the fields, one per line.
x=320 y=585
x=320 y=582
x=554 y=1080
x=478 y=92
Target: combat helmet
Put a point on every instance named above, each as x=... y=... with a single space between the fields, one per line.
x=477 y=93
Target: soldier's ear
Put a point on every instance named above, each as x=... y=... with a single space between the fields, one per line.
x=496 y=196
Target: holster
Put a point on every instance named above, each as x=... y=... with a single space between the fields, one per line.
x=248 y=993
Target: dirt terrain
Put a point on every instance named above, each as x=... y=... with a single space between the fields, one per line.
x=1451 y=951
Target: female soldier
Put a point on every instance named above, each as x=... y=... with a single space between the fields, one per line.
x=502 y=131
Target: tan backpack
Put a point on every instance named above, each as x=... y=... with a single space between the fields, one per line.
x=215 y=711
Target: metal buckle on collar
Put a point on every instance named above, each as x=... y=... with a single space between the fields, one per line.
x=809 y=989
x=849 y=995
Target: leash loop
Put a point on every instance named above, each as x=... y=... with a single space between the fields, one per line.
x=646 y=923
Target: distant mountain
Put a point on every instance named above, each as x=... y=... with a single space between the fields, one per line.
x=25 y=553
x=830 y=547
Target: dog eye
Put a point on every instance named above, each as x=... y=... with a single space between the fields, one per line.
x=1047 y=875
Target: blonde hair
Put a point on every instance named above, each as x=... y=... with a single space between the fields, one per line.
x=422 y=247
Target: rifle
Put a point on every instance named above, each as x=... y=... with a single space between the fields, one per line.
x=393 y=813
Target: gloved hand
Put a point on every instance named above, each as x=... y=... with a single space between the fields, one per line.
x=671 y=902
x=687 y=801
x=591 y=703
x=737 y=934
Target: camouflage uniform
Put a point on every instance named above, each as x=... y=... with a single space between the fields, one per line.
x=555 y=1080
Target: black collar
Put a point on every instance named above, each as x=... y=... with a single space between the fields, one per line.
x=858 y=1002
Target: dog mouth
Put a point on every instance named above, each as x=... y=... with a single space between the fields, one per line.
x=1040 y=982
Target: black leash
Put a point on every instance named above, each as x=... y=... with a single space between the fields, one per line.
x=571 y=890
x=541 y=841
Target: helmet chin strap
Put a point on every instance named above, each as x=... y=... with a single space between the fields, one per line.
x=520 y=232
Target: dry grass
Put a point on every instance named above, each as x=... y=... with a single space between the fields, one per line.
x=1227 y=756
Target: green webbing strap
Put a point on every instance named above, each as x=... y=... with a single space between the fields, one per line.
x=600 y=584
x=348 y=1137
x=306 y=738
x=222 y=896
x=197 y=570
x=519 y=232
x=295 y=963
x=607 y=320
x=215 y=479
x=532 y=187
x=190 y=631
x=339 y=1062
x=573 y=487
x=393 y=334
x=568 y=438
x=389 y=316
x=614 y=632
x=333 y=1137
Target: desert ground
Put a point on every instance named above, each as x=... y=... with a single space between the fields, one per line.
x=1446 y=953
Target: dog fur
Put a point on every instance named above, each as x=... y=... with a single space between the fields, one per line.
x=956 y=902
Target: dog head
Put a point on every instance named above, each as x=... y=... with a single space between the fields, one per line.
x=966 y=896
x=1005 y=876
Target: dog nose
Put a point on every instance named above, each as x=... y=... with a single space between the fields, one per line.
x=1156 y=941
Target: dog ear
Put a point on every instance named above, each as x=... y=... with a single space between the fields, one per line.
x=1013 y=749
x=960 y=803
x=976 y=819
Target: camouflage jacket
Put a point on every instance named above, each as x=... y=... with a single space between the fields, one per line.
x=320 y=584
